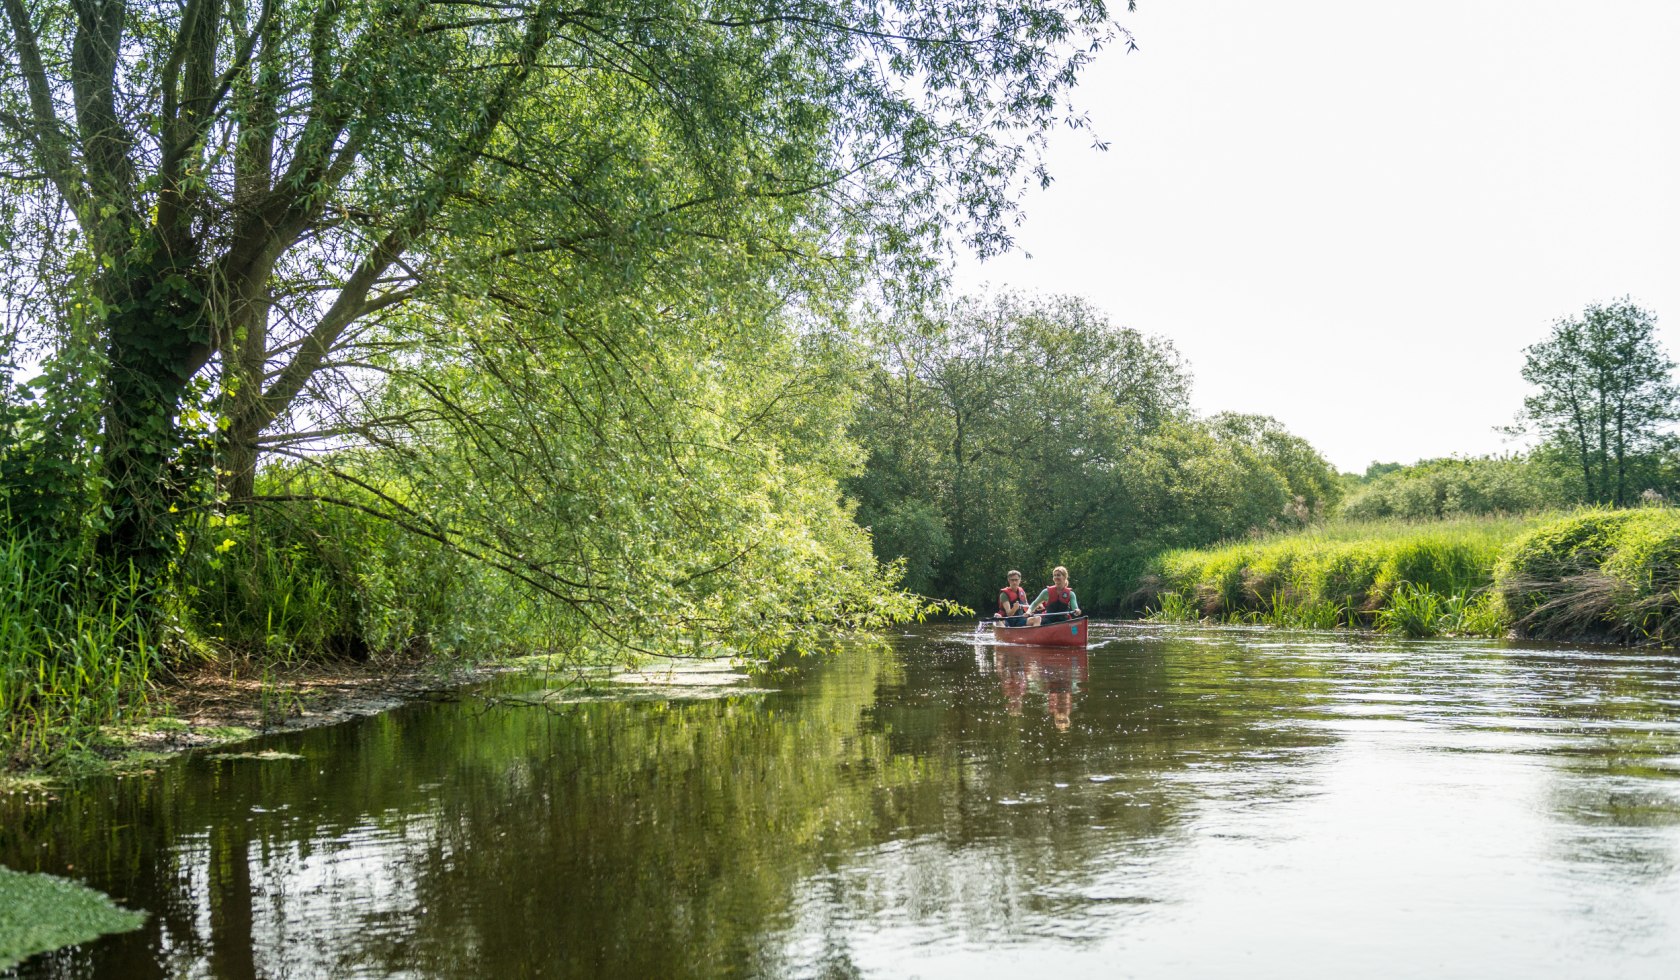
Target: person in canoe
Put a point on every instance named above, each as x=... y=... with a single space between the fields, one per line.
x=1057 y=601
x=1012 y=601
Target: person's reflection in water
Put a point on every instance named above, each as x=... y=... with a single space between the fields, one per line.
x=1015 y=681
x=1058 y=673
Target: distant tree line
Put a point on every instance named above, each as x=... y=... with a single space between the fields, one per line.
x=1602 y=410
x=1025 y=432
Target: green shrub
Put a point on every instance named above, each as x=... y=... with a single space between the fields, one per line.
x=1442 y=488
x=294 y=580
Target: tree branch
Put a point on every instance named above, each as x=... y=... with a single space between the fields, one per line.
x=45 y=131
x=352 y=299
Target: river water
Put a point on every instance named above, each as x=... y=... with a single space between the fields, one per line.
x=1176 y=802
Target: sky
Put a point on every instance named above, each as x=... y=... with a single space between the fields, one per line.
x=1354 y=215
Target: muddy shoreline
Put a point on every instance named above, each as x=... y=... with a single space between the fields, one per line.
x=224 y=704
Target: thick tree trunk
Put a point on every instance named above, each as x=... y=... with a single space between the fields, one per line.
x=154 y=325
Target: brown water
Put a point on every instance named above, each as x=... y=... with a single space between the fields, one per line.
x=1176 y=802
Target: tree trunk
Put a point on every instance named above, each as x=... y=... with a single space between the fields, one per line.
x=154 y=329
x=243 y=363
x=1621 y=456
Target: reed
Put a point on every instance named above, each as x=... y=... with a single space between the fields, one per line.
x=76 y=651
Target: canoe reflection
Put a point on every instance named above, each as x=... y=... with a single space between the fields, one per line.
x=1056 y=673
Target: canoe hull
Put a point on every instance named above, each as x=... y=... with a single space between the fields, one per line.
x=1067 y=633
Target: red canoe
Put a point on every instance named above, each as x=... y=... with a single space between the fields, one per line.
x=1067 y=633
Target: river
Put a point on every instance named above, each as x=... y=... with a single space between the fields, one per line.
x=1175 y=802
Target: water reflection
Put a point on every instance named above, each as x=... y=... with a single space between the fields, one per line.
x=1170 y=802
x=1055 y=674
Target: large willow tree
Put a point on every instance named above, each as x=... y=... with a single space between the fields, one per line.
x=461 y=231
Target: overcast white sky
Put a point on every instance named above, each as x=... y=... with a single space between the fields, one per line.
x=1354 y=214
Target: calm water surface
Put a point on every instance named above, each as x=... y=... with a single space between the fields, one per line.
x=1173 y=803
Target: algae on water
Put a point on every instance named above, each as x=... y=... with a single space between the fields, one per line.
x=40 y=912
x=267 y=755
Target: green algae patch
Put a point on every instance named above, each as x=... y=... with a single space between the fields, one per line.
x=267 y=755
x=41 y=912
x=228 y=733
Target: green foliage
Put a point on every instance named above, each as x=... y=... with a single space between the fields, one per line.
x=1605 y=394
x=41 y=912
x=1598 y=574
x=1442 y=488
x=370 y=328
x=1310 y=482
x=49 y=422
x=1401 y=577
x=1038 y=434
x=1190 y=485
x=241 y=207
x=297 y=579
x=915 y=530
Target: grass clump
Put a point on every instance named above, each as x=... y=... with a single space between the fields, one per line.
x=1599 y=574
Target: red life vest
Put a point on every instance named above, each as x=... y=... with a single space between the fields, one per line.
x=1057 y=599
x=1012 y=593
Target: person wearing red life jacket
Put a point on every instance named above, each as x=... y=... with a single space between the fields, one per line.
x=1056 y=602
x=1012 y=601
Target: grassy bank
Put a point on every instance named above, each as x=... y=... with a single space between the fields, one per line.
x=1393 y=575
x=260 y=599
x=1603 y=575
x=1595 y=575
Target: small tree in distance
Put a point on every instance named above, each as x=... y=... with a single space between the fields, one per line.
x=1605 y=395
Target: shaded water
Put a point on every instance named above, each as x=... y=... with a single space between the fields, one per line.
x=1176 y=802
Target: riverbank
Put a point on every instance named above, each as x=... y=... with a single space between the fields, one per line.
x=216 y=706
x=1594 y=575
x=221 y=704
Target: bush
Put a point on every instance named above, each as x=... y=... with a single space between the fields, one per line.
x=1444 y=488
x=294 y=580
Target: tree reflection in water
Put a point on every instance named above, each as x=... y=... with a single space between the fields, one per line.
x=904 y=803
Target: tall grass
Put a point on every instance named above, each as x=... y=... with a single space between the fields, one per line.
x=1411 y=578
x=261 y=593
x=75 y=649
x=1598 y=574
